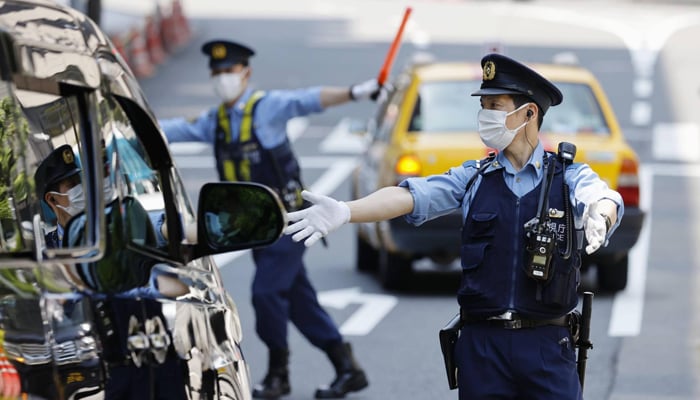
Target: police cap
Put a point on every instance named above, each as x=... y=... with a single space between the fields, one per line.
x=503 y=75
x=59 y=165
x=224 y=53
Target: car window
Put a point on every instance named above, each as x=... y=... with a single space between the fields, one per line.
x=579 y=112
x=135 y=179
x=445 y=106
x=45 y=123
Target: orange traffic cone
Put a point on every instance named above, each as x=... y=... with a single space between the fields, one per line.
x=168 y=34
x=181 y=25
x=153 y=43
x=140 y=61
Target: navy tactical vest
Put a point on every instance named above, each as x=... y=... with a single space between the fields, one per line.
x=245 y=159
x=494 y=257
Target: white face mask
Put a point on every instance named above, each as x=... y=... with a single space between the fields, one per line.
x=493 y=130
x=76 y=199
x=228 y=86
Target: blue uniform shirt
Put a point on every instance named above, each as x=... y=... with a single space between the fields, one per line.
x=438 y=195
x=270 y=119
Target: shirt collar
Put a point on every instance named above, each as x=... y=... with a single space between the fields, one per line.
x=239 y=105
x=535 y=162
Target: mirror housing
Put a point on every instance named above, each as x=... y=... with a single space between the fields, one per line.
x=237 y=215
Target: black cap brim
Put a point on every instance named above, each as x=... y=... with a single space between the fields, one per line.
x=494 y=92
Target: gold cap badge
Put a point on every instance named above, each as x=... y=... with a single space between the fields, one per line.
x=68 y=156
x=489 y=71
x=218 y=52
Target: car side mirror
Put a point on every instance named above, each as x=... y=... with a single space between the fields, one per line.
x=237 y=215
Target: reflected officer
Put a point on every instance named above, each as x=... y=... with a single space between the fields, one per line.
x=249 y=136
x=514 y=342
x=58 y=185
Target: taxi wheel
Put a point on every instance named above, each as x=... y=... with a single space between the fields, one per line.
x=367 y=257
x=394 y=270
x=612 y=274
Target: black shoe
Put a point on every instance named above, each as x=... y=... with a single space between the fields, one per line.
x=272 y=387
x=347 y=382
x=349 y=376
x=276 y=382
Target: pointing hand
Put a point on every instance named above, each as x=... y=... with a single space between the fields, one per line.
x=324 y=216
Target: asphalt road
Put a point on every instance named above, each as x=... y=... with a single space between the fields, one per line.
x=645 y=57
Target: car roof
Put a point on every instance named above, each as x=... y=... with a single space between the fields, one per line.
x=50 y=41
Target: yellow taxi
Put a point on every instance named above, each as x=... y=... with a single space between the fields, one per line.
x=428 y=124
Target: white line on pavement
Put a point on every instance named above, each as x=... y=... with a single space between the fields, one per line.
x=342 y=140
x=628 y=305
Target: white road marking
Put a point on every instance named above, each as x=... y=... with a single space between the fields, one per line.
x=628 y=305
x=640 y=113
x=342 y=140
x=676 y=141
x=373 y=309
x=334 y=176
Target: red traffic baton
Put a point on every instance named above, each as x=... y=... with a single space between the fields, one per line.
x=391 y=54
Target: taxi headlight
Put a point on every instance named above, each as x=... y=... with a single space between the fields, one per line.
x=408 y=165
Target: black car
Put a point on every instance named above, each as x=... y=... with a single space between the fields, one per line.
x=132 y=283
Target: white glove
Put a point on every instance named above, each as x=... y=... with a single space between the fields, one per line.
x=323 y=217
x=594 y=227
x=365 y=90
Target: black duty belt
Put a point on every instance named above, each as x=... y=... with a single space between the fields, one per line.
x=515 y=321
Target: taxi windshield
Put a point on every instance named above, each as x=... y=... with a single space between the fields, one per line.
x=578 y=113
x=449 y=107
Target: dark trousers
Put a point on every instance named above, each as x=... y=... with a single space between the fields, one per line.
x=149 y=382
x=282 y=292
x=518 y=364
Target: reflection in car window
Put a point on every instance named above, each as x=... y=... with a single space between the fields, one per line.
x=50 y=122
x=578 y=113
x=16 y=202
x=445 y=106
x=137 y=180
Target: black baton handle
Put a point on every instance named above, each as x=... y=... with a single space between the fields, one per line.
x=584 y=342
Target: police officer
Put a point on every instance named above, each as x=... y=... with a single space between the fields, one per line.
x=248 y=132
x=58 y=183
x=514 y=343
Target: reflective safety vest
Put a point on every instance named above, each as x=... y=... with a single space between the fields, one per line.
x=245 y=159
x=494 y=255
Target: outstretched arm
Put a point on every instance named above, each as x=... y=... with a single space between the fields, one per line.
x=331 y=96
x=386 y=203
x=327 y=214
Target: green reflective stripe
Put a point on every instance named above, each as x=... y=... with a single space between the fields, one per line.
x=229 y=167
x=229 y=170
x=224 y=123
x=230 y=173
x=247 y=121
